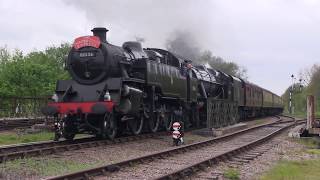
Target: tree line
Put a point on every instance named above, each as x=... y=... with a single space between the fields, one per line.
x=34 y=74
x=309 y=85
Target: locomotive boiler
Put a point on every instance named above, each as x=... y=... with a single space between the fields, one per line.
x=118 y=89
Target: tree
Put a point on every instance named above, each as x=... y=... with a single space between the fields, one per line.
x=34 y=74
x=311 y=87
x=4 y=55
x=314 y=85
x=306 y=74
x=57 y=54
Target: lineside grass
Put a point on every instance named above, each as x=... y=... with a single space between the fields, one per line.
x=258 y=122
x=232 y=174
x=313 y=151
x=298 y=170
x=15 y=138
x=294 y=170
x=309 y=142
x=40 y=167
x=296 y=114
x=302 y=114
x=8 y=138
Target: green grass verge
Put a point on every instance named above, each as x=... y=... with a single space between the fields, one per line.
x=313 y=151
x=258 y=121
x=310 y=143
x=232 y=174
x=14 y=138
x=297 y=114
x=294 y=170
x=43 y=167
x=301 y=114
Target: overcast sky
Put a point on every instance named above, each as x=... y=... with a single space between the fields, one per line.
x=271 y=38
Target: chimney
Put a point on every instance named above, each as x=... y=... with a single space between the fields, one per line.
x=100 y=32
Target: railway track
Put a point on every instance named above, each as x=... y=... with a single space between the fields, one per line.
x=11 y=123
x=11 y=152
x=175 y=163
x=234 y=153
x=237 y=161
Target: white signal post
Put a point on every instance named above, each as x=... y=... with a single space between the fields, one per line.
x=176 y=134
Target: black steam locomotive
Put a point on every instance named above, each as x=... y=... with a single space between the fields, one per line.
x=114 y=89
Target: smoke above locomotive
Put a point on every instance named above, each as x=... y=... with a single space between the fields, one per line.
x=129 y=88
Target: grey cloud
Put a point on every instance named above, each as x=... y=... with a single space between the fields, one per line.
x=151 y=19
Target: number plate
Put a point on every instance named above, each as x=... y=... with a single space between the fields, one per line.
x=87 y=54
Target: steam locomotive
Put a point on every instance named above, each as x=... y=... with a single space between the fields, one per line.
x=115 y=89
